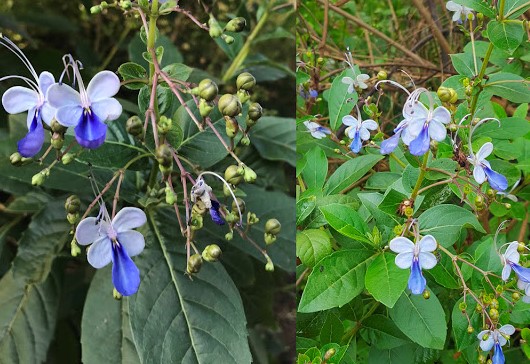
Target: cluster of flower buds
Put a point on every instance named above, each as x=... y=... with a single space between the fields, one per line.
x=207 y=91
x=272 y=229
x=210 y=254
x=72 y=205
x=235 y=25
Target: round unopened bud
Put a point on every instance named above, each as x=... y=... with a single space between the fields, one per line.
x=255 y=111
x=171 y=197
x=134 y=126
x=426 y=294
x=68 y=158
x=211 y=253
x=96 y=9
x=269 y=267
x=164 y=155
x=236 y=25
x=494 y=313
x=57 y=140
x=507 y=206
x=243 y=96
x=229 y=105
x=516 y=296
x=470 y=329
x=164 y=125
x=269 y=238
x=382 y=75
x=231 y=127
x=479 y=308
x=329 y=354
x=521 y=247
x=245 y=81
x=72 y=218
x=231 y=217
x=227 y=38
x=207 y=89
x=479 y=200
x=494 y=304
x=227 y=191
x=199 y=208
x=462 y=306
x=215 y=29
x=125 y=4
x=453 y=127
x=444 y=94
x=491 y=193
x=205 y=107
x=117 y=295
x=454 y=96
x=75 y=250
x=16 y=159
x=38 y=179
x=468 y=90
x=229 y=236
x=249 y=176
x=197 y=222
x=72 y=204
x=56 y=127
x=239 y=203
x=194 y=264
x=482 y=359
x=273 y=226
x=232 y=175
x=245 y=141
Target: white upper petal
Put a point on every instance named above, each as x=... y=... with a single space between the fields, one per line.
x=479 y=174
x=486 y=345
x=19 y=99
x=511 y=253
x=46 y=79
x=132 y=241
x=506 y=272
x=100 y=253
x=404 y=260
x=364 y=133
x=350 y=120
x=401 y=244
x=47 y=112
x=507 y=329
x=69 y=115
x=442 y=115
x=103 y=85
x=427 y=244
x=107 y=109
x=369 y=124
x=484 y=151
x=318 y=134
x=128 y=218
x=502 y=340
x=427 y=260
x=88 y=231
x=452 y=6
x=60 y=95
x=437 y=130
x=418 y=111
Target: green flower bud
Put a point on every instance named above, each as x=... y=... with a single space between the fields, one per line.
x=199 y=208
x=521 y=247
x=382 y=75
x=243 y=96
x=96 y=9
x=232 y=175
x=245 y=81
x=134 y=126
x=329 y=354
x=228 y=39
x=229 y=105
x=479 y=308
x=453 y=127
x=236 y=25
x=72 y=204
x=337 y=151
x=68 y=158
x=252 y=219
x=426 y=294
x=117 y=295
x=231 y=217
x=273 y=226
x=171 y=197
x=229 y=235
x=164 y=125
x=164 y=155
x=205 y=107
x=207 y=89
x=255 y=111
x=462 y=306
x=479 y=200
x=250 y=176
x=470 y=329
x=211 y=253
x=494 y=304
x=491 y=193
x=454 y=96
x=444 y=94
x=231 y=127
x=57 y=128
x=468 y=90
x=321 y=61
x=75 y=250
x=126 y=5
x=16 y=159
x=39 y=178
x=269 y=238
x=57 y=141
x=241 y=204
x=494 y=314
x=269 y=267
x=196 y=222
x=516 y=296
x=72 y=218
x=215 y=28
x=507 y=206
x=485 y=337
x=245 y=141
x=194 y=264
x=226 y=190
x=481 y=359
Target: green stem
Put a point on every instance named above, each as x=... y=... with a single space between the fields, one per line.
x=423 y=170
x=243 y=53
x=479 y=78
x=151 y=38
x=501 y=9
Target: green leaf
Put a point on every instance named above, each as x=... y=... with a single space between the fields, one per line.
x=27 y=318
x=340 y=101
x=505 y=35
x=398 y=355
x=200 y=320
x=315 y=169
x=41 y=242
x=339 y=280
x=333 y=329
x=131 y=70
x=464 y=64
x=350 y=172
x=514 y=8
x=302 y=77
x=105 y=325
x=423 y=321
x=460 y=324
x=443 y=273
x=312 y=245
x=178 y=71
x=383 y=332
x=510 y=129
x=445 y=222
x=384 y=280
x=346 y=221
x=275 y=138
x=509 y=86
x=304 y=207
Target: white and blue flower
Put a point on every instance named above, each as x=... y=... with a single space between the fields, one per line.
x=402 y=130
x=495 y=339
x=416 y=256
x=482 y=169
x=510 y=261
x=20 y=99
x=115 y=241
x=358 y=130
x=359 y=79
x=316 y=130
x=89 y=109
x=459 y=10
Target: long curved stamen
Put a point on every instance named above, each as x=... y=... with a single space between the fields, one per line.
x=349 y=60
x=453 y=136
x=473 y=128
x=30 y=82
x=76 y=66
x=229 y=188
x=393 y=83
x=410 y=78
x=6 y=42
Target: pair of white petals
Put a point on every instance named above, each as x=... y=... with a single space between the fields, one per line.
x=495 y=336
x=359 y=81
x=360 y=126
x=407 y=251
x=459 y=10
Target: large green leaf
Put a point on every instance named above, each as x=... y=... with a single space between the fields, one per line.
x=423 y=321
x=41 y=242
x=464 y=64
x=275 y=138
x=312 y=245
x=509 y=86
x=445 y=222
x=506 y=35
x=315 y=169
x=338 y=280
x=178 y=319
x=350 y=172
x=27 y=318
x=383 y=332
x=340 y=101
x=105 y=325
x=384 y=280
x=346 y=221
x=509 y=129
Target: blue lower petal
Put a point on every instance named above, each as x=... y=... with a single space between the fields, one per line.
x=356 y=143
x=388 y=145
x=421 y=144
x=31 y=144
x=125 y=274
x=215 y=214
x=498 y=355
x=417 y=282
x=522 y=273
x=496 y=180
x=90 y=132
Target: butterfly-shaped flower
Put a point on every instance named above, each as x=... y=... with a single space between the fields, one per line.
x=510 y=261
x=416 y=256
x=459 y=10
x=115 y=241
x=316 y=130
x=495 y=339
x=19 y=99
x=359 y=80
x=482 y=168
x=358 y=130
x=88 y=109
